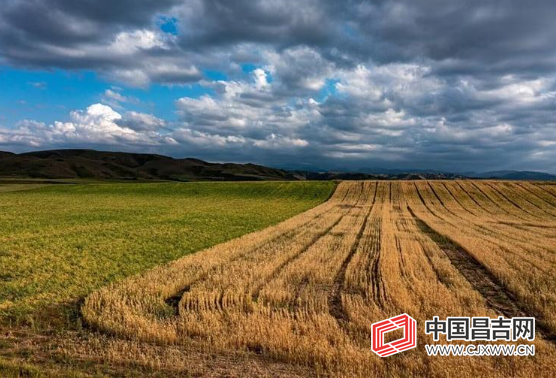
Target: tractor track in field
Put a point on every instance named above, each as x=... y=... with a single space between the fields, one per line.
x=457 y=200
x=379 y=292
x=509 y=200
x=256 y=292
x=497 y=206
x=477 y=227
x=531 y=192
x=497 y=296
x=467 y=193
x=546 y=190
x=336 y=309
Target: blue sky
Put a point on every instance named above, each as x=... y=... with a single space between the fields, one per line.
x=45 y=95
x=295 y=84
x=49 y=95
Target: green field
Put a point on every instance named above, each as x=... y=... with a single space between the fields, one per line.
x=60 y=242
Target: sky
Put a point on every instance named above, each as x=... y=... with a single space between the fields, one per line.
x=302 y=84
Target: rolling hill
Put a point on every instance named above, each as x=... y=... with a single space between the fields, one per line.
x=90 y=164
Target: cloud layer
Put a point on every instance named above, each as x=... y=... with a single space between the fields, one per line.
x=339 y=85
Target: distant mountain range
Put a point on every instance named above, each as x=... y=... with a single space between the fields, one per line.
x=401 y=175
x=91 y=164
x=514 y=175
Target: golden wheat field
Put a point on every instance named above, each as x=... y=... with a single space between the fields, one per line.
x=305 y=292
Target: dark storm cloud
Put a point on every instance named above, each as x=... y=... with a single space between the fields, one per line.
x=113 y=37
x=66 y=22
x=281 y=24
x=457 y=85
x=464 y=35
x=470 y=36
x=490 y=31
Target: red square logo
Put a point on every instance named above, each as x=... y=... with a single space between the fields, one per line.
x=409 y=341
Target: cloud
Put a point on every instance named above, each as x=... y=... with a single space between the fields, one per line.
x=253 y=108
x=141 y=121
x=113 y=98
x=281 y=142
x=261 y=80
x=120 y=41
x=97 y=125
x=38 y=84
x=472 y=37
x=207 y=140
x=126 y=43
x=356 y=84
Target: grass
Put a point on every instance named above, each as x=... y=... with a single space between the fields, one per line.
x=60 y=242
x=9 y=369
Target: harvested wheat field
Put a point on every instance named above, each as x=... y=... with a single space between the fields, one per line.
x=305 y=292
